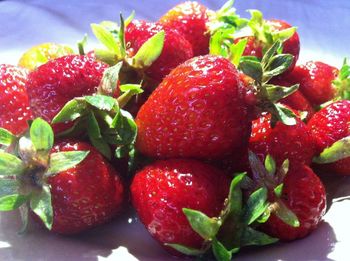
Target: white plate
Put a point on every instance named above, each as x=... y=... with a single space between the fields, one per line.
x=323 y=28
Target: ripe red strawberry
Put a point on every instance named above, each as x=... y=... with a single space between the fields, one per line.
x=87 y=195
x=58 y=81
x=161 y=190
x=14 y=104
x=175 y=51
x=316 y=81
x=67 y=185
x=304 y=194
x=197 y=111
x=282 y=142
x=190 y=18
x=328 y=126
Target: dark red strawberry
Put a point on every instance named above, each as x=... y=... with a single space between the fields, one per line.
x=55 y=83
x=67 y=185
x=175 y=51
x=161 y=190
x=304 y=194
x=14 y=104
x=282 y=142
x=87 y=195
x=190 y=18
x=315 y=81
x=328 y=126
x=197 y=111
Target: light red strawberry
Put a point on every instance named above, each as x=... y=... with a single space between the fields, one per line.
x=302 y=193
x=58 y=81
x=190 y=18
x=176 y=49
x=197 y=111
x=162 y=189
x=14 y=103
x=328 y=126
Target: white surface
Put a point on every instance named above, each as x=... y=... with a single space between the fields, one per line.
x=323 y=28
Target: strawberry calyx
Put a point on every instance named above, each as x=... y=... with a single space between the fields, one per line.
x=342 y=82
x=337 y=151
x=272 y=64
x=234 y=228
x=115 y=50
x=269 y=177
x=24 y=172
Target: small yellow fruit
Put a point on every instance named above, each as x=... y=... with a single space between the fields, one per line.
x=42 y=53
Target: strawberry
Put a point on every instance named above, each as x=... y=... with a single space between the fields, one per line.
x=42 y=53
x=161 y=190
x=304 y=194
x=68 y=185
x=175 y=51
x=282 y=142
x=190 y=18
x=14 y=108
x=315 y=80
x=58 y=81
x=330 y=130
x=197 y=111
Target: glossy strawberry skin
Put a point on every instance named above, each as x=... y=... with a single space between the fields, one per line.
x=329 y=125
x=197 y=111
x=161 y=190
x=87 y=195
x=14 y=103
x=58 y=81
x=315 y=79
x=282 y=142
x=175 y=51
x=305 y=195
x=190 y=18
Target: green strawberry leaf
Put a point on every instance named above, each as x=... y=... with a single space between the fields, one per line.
x=285 y=214
x=285 y=115
x=6 y=137
x=256 y=205
x=253 y=69
x=264 y=217
x=8 y=186
x=253 y=237
x=72 y=110
x=10 y=165
x=106 y=56
x=283 y=35
x=24 y=212
x=12 y=202
x=110 y=79
x=270 y=165
x=235 y=196
x=260 y=29
x=101 y=102
x=95 y=137
x=186 y=250
x=205 y=226
x=237 y=50
x=41 y=135
x=81 y=45
x=278 y=65
x=270 y=53
x=216 y=46
x=107 y=39
x=121 y=152
x=126 y=128
x=278 y=190
x=133 y=88
x=220 y=252
x=121 y=37
x=342 y=82
x=337 y=151
x=129 y=18
x=276 y=92
x=149 y=51
x=61 y=161
x=40 y=204
x=259 y=172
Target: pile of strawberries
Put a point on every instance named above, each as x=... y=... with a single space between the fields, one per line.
x=203 y=121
